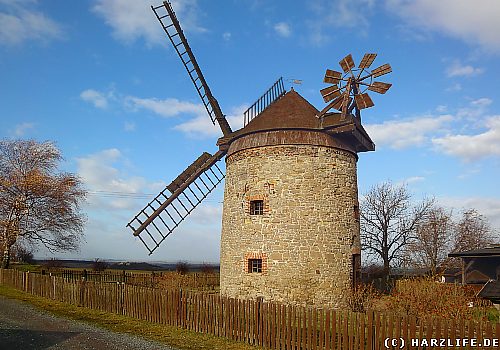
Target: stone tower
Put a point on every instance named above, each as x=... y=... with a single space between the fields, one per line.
x=290 y=224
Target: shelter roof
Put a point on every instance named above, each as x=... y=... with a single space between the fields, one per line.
x=489 y=251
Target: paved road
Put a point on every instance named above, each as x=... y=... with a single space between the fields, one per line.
x=23 y=327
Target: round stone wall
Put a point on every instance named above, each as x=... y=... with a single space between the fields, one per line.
x=308 y=229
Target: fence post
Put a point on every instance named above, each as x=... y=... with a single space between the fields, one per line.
x=26 y=278
x=54 y=284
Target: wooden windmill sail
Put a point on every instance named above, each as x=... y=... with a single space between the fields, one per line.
x=161 y=216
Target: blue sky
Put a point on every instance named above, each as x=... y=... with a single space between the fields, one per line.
x=100 y=79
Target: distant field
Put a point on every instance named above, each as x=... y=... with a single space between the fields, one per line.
x=111 y=265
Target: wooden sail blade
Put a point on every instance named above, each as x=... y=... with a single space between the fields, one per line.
x=347 y=63
x=363 y=101
x=330 y=93
x=172 y=28
x=378 y=86
x=190 y=170
x=165 y=212
x=382 y=70
x=332 y=77
x=367 y=60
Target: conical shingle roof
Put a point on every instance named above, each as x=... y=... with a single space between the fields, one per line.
x=290 y=111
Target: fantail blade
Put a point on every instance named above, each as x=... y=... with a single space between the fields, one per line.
x=367 y=60
x=363 y=101
x=330 y=93
x=379 y=87
x=347 y=63
x=332 y=76
x=382 y=70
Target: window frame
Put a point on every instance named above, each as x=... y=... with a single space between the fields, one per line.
x=257 y=207
x=255 y=265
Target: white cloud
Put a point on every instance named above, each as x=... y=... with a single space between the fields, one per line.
x=198 y=126
x=482 y=102
x=475 y=110
x=98 y=99
x=169 y=107
x=457 y=69
x=454 y=88
x=283 y=29
x=414 y=179
x=20 y=22
x=226 y=36
x=202 y=125
x=398 y=134
x=21 y=129
x=472 y=147
x=410 y=180
x=489 y=207
x=129 y=126
x=101 y=175
x=207 y=214
x=134 y=19
x=338 y=14
x=474 y=22
x=441 y=108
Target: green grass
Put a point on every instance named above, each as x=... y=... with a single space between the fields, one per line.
x=173 y=336
x=24 y=267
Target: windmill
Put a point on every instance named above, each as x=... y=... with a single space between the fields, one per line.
x=161 y=216
x=348 y=89
x=290 y=218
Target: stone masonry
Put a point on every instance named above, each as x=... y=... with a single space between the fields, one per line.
x=307 y=232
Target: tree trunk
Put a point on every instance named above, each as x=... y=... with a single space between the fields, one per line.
x=6 y=257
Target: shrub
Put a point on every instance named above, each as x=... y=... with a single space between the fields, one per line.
x=53 y=264
x=24 y=255
x=426 y=297
x=362 y=298
x=207 y=268
x=182 y=267
x=99 y=265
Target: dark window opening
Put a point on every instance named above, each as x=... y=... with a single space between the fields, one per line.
x=257 y=207
x=254 y=265
x=356 y=212
x=356 y=270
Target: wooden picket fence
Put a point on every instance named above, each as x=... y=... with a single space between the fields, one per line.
x=270 y=325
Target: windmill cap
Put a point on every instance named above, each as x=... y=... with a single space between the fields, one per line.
x=292 y=120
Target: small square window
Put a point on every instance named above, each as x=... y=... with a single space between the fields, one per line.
x=257 y=207
x=254 y=265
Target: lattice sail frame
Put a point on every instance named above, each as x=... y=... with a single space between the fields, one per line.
x=348 y=89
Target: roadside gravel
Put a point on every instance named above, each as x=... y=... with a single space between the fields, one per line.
x=24 y=327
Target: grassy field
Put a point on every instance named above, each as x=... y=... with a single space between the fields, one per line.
x=175 y=337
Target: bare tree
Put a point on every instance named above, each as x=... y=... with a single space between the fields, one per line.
x=38 y=204
x=389 y=220
x=434 y=236
x=473 y=231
